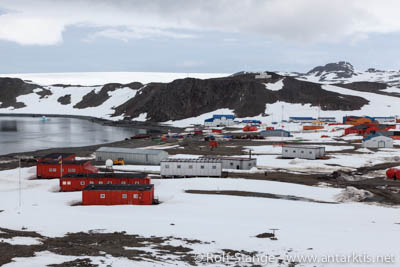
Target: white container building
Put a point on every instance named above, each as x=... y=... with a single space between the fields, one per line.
x=236 y=163
x=377 y=141
x=131 y=155
x=303 y=152
x=201 y=167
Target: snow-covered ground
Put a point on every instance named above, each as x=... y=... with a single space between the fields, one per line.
x=231 y=221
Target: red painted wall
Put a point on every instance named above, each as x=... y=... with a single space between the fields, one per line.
x=75 y=184
x=46 y=170
x=114 y=197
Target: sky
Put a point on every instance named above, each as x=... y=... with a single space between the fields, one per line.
x=223 y=36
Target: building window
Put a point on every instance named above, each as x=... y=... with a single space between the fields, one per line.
x=249 y=164
x=82 y=183
x=124 y=196
x=310 y=152
x=100 y=182
x=214 y=167
x=91 y=182
x=69 y=183
x=50 y=169
x=135 y=196
x=202 y=167
x=167 y=166
x=64 y=183
x=71 y=170
x=136 y=182
x=123 y=182
x=109 y=182
x=302 y=152
x=179 y=166
x=102 y=195
x=190 y=166
x=294 y=151
x=231 y=163
x=286 y=150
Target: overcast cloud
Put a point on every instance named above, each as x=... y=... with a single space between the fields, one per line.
x=43 y=22
x=293 y=22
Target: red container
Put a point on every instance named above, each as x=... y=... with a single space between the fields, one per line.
x=118 y=195
x=216 y=131
x=393 y=173
x=248 y=128
x=52 y=169
x=270 y=128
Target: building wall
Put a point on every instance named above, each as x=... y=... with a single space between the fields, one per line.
x=114 y=197
x=53 y=170
x=274 y=133
x=133 y=158
x=78 y=184
x=171 y=169
x=302 y=153
x=386 y=120
x=222 y=122
x=238 y=164
x=379 y=141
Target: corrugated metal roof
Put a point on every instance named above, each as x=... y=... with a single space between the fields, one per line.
x=219 y=116
x=305 y=147
x=118 y=175
x=301 y=118
x=130 y=150
x=276 y=130
x=204 y=160
x=229 y=158
x=373 y=136
x=119 y=187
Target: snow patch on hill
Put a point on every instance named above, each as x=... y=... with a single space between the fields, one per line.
x=100 y=78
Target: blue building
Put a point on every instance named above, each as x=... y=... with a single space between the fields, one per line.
x=220 y=120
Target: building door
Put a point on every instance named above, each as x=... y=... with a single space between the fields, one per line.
x=381 y=144
x=237 y=167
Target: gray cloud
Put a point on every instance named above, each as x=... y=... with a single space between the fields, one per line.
x=43 y=22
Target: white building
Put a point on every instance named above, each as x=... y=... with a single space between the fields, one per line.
x=377 y=141
x=202 y=167
x=131 y=155
x=220 y=120
x=385 y=120
x=303 y=152
x=236 y=163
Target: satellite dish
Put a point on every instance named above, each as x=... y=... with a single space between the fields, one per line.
x=109 y=163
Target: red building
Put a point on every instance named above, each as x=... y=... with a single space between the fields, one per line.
x=367 y=129
x=118 y=194
x=52 y=169
x=77 y=182
x=249 y=128
x=58 y=156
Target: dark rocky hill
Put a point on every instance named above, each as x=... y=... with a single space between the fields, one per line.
x=94 y=99
x=244 y=94
x=342 y=69
x=11 y=88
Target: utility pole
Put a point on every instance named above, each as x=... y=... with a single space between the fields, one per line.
x=19 y=182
